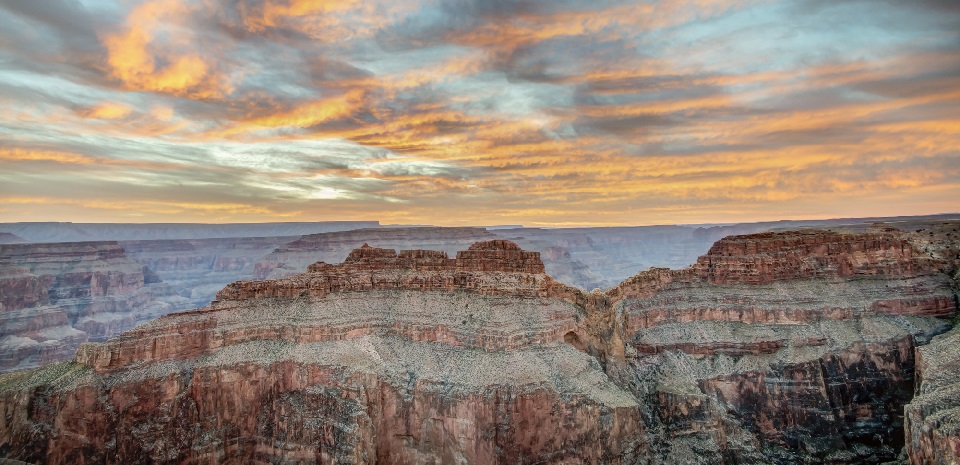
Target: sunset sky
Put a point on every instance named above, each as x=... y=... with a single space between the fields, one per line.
x=469 y=112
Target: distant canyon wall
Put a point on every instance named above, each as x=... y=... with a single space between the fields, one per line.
x=792 y=347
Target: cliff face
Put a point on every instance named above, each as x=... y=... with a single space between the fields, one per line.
x=370 y=372
x=797 y=345
x=55 y=296
x=419 y=357
x=195 y=269
x=933 y=416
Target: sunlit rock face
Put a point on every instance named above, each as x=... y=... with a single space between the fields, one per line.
x=422 y=356
x=55 y=296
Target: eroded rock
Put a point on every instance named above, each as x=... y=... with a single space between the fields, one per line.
x=417 y=357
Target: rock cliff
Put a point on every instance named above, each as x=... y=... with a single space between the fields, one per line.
x=795 y=347
x=195 y=269
x=933 y=416
x=55 y=296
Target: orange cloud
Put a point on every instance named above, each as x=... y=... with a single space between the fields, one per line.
x=273 y=13
x=107 y=110
x=17 y=154
x=303 y=116
x=151 y=206
x=141 y=64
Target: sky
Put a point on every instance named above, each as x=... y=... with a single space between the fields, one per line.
x=468 y=112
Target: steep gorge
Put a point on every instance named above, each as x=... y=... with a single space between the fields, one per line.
x=55 y=296
x=772 y=348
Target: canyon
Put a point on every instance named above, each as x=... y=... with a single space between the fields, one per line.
x=195 y=269
x=55 y=296
x=810 y=346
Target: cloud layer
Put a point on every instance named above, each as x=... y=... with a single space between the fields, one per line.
x=478 y=111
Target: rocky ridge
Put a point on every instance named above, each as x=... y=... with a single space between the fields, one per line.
x=772 y=348
x=294 y=257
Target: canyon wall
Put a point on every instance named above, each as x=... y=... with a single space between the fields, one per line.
x=294 y=257
x=55 y=296
x=195 y=269
x=933 y=416
x=794 y=347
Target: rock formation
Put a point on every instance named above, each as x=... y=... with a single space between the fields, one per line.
x=195 y=269
x=294 y=257
x=773 y=348
x=588 y=258
x=933 y=416
x=55 y=296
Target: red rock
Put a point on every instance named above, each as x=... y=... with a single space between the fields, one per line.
x=295 y=256
x=56 y=296
x=416 y=357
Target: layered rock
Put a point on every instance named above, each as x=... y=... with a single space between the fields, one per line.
x=55 y=296
x=810 y=254
x=294 y=257
x=349 y=372
x=417 y=357
x=933 y=416
x=798 y=344
x=195 y=269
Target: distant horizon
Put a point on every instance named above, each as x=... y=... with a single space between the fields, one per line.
x=495 y=226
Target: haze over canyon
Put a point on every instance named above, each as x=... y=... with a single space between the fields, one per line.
x=470 y=232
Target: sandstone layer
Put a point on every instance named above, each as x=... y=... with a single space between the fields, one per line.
x=794 y=347
x=55 y=296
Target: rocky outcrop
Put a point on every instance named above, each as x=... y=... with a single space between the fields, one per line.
x=294 y=257
x=368 y=374
x=422 y=356
x=800 y=344
x=55 y=296
x=496 y=267
x=933 y=416
x=811 y=254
